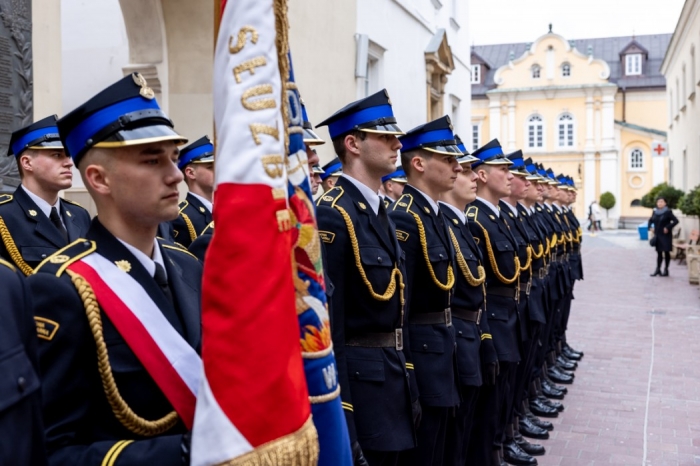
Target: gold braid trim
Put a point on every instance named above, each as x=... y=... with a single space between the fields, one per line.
x=529 y=259
x=299 y=448
x=462 y=263
x=12 y=249
x=318 y=399
x=492 y=258
x=391 y=289
x=553 y=243
x=540 y=254
x=190 y=226
x=424 y=244
x=121 y=410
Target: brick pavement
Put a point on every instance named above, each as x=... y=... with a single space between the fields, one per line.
x=611 y=321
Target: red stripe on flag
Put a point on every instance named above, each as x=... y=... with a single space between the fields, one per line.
x=142 y=344
x=250 y=330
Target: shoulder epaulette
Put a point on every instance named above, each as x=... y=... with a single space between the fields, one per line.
x=404 y=203
x=72 y=202
x=177 y=247
x=8 y=265
x=207 y=228
x=58 y=262
x=472 y=212
x=183 y=205
x=331 y=196
x=5 y=198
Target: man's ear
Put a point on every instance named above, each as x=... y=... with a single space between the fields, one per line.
x=96 y=177
x=482 y=174
x=418 y=163
x=351 y=145
x=25 y=161
x=189 y=172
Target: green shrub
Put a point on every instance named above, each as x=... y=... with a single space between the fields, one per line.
x=607 y=201
x=671 y=194
x=689 y=203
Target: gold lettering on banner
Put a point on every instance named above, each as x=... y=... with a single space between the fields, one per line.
x=274 y=165
x=259 y=104
x=257 y=129
x=279 y=194
x=248 y=66
x=284 y=221
x=242 y=34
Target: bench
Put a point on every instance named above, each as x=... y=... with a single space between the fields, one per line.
x=631 y=223
x=682 y=246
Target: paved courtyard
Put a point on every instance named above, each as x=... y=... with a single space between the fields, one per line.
x=636 y=397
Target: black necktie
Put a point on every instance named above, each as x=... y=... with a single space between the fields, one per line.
x=384 y=219
x=162 y=281
x=56 y=220
x=442 y=229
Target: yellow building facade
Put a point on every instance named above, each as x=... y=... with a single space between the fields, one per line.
x=593 y=109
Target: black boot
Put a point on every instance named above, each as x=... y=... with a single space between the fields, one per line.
x=656 y=273
x=532 y=449
x=566 y=363
x=570 y=349
x=552 y=404
x=665 y=272
x=546 y=381
x=546 y=425
x=529 y=429
x=513 y=454
x=570 y=355
x=542 y=410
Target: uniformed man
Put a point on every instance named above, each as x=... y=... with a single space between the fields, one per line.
x=34 y=221
x=392 y=185
x=467 y=307
x=366 y=266
x=311 y=139
x=22 y=439
x=331 y=171
x=197 y=164
x=429 y=158
x=316 y=172
x=108 y=302
x=498 y=245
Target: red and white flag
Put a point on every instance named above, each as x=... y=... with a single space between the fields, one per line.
x=253 y=402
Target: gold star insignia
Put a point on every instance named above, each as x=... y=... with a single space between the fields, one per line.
x=123 y=265
x=492 y=217
x=201 y=209
x=32 y=212
x=455 y=221
x=362 y=205
x=427 y=211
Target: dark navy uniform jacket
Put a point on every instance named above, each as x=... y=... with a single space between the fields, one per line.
x=433 y=345
x=500 y=250
x=201 y=244
x=22 y=439
x=193 y=219
x=81 y=428
x=377 y=384
x=33 y=234
x=575 y=258
x=537 y=237
x=554 y=232
x=470 y=298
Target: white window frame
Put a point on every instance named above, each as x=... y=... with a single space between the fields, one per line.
x=636 y=165
x=535 y=122
x=536 y=71
x=568 y=123
x=475 y=136
x=633 y=64
x=476 y=74
x=566 y=70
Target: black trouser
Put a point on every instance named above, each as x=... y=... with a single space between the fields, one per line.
x=482 y=438
x=506 y=399
x=431 y=434
x=381 y=458
x=663 y=255
x=524 y=373
x=459 y=431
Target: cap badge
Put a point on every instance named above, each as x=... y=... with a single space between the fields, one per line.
x=146 y=92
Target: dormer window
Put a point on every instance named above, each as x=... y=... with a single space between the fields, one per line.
x=565 y=70
x=633 y=64
x=476 y=74
x=535 y=70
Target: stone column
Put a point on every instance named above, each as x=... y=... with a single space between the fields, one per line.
x=495 y=116
x=511 y=122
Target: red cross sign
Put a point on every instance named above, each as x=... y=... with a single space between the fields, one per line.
x=660 y=149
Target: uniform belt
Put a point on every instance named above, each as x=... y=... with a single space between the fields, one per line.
x=525 y=290
x=540 y=273
x=429 y=318
x=466 y=314
x=378 y=340
x=505 y=291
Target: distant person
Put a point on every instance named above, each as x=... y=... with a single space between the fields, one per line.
x=663 y=222
x=594 y=218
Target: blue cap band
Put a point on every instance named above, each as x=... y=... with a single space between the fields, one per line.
x=414 y=141
x=76 y=140
x=350 y=122
x=23 y=143
x=517 y=163
x=194 y=154
x=489 y=153
x=331 y=170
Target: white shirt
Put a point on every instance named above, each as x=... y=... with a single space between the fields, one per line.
x=491 y=206
x=512 y=208
x=44 y=206
x=457 y=212
x=430 y=200
x=203 y=200
x=370 y=196
x=148 y=263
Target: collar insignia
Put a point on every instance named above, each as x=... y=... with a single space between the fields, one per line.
x=362 y=205
x=201 y=209
x=427 y=211
x=123 y=265
x=32 y=212
x=69 y=214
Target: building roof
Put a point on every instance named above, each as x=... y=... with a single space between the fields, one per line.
x=605 y=48
x=644 y=129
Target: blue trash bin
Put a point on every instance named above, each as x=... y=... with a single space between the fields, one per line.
x=643 y=230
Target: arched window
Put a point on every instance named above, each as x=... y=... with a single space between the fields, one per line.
x=636 y=159
x=535 y=71
x=535 y=129
x=565 y=70
x=566 y=130
x=636 y=203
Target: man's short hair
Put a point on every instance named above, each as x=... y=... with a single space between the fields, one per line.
x=339 y=143
x=406 y=158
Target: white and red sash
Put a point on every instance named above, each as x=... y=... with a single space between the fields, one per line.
x=172 y=363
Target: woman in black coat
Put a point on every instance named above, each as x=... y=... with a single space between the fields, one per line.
x=663 y=222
